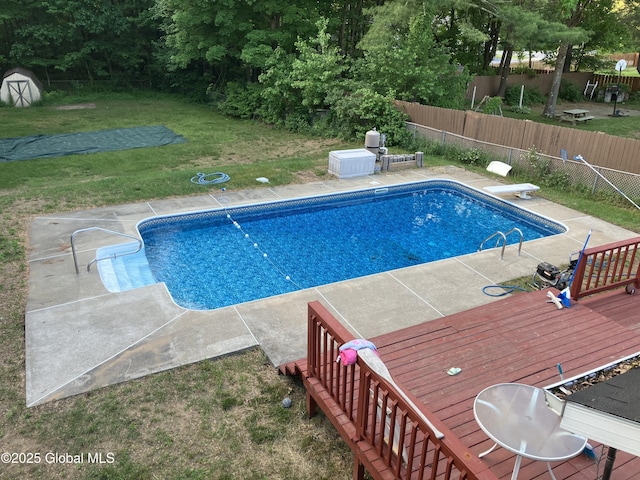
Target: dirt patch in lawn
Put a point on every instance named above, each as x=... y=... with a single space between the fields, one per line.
x=77 y=106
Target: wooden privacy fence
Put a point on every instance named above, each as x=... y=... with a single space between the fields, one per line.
x=632 y=82
x=606 y=267
x=597 y=148
x=489 y=84
x=391 y=435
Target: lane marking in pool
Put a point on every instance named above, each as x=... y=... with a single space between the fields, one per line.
x=264 y=254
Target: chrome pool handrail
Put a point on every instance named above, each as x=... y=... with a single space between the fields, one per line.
x=503 y=236
x=95 y=260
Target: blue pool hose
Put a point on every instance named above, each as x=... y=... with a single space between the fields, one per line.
x=202 y=178
x=506 y=289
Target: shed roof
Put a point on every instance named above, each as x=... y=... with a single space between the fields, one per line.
x=24 y=72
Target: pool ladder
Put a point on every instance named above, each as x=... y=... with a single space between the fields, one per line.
x=96 y=260
x=503 y=237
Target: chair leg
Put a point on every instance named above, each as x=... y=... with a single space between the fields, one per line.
x=488 y=451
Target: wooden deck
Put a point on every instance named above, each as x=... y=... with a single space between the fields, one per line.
x=517 y=339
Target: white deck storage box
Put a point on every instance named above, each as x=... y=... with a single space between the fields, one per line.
x=351 y=163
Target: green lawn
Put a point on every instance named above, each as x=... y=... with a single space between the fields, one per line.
x=214 y=143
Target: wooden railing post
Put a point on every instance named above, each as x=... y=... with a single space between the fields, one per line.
x=607 y=267
x=312 y=361
x=578 y=276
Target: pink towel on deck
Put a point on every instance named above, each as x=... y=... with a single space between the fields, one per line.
x=349 y=351
x=358 y=344
x=348 y=356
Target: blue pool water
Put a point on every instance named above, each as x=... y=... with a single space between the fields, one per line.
x=223 y=257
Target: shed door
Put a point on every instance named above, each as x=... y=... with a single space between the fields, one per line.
x=20 y=92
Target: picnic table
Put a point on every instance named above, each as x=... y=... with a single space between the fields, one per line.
x=574 y=115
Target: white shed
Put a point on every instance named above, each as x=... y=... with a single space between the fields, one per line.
x=20 y=87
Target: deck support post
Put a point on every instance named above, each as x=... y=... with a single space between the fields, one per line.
x=311 y=405
x=358 y=468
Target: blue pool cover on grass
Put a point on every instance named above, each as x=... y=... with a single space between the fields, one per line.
x=43 y=146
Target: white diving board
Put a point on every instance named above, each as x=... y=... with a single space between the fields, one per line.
x=520 y=189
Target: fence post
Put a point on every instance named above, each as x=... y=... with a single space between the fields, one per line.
x=594 y=189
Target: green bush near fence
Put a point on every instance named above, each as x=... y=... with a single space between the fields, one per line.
x=530 y=96
x=570 y=91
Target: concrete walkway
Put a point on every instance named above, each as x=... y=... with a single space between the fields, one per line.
x=81 y=337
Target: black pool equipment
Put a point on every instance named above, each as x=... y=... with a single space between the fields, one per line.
x=551 y=276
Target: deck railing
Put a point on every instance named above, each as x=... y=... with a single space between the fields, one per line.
x=391 y=434
x=607 y=267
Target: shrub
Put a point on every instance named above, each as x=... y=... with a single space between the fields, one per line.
x=569 y=91
x=530 y=96
x=524 y=70
x=354 y=113
x=557 y=179
x=634 y=98
x=240 y=100
x=429 y=147
x=493 y=106
x=472 y=156
x=297 y=123
x=523 y=109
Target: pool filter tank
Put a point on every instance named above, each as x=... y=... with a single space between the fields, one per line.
x=372 y=141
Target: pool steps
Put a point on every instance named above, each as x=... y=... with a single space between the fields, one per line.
x=118 y=274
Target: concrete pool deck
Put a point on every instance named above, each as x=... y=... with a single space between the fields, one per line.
x=79 y=336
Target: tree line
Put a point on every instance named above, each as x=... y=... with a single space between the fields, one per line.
x=302 y=63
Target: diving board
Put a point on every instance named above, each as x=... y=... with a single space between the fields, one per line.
x=520 y=189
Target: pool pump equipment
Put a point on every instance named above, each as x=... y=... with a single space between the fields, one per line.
x=552 y=276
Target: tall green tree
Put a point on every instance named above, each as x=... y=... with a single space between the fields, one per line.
x=519 y=26
x=609 y=31
x=110 y=39
x=468 y=30
x=300 y=82
x=318 y=68
x=349 y=22
x=571 y=13
x=401 y=57
x=13 y=14
x=627 y=13
x=230 y=40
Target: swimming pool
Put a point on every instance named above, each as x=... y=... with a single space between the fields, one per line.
x=210 y=259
